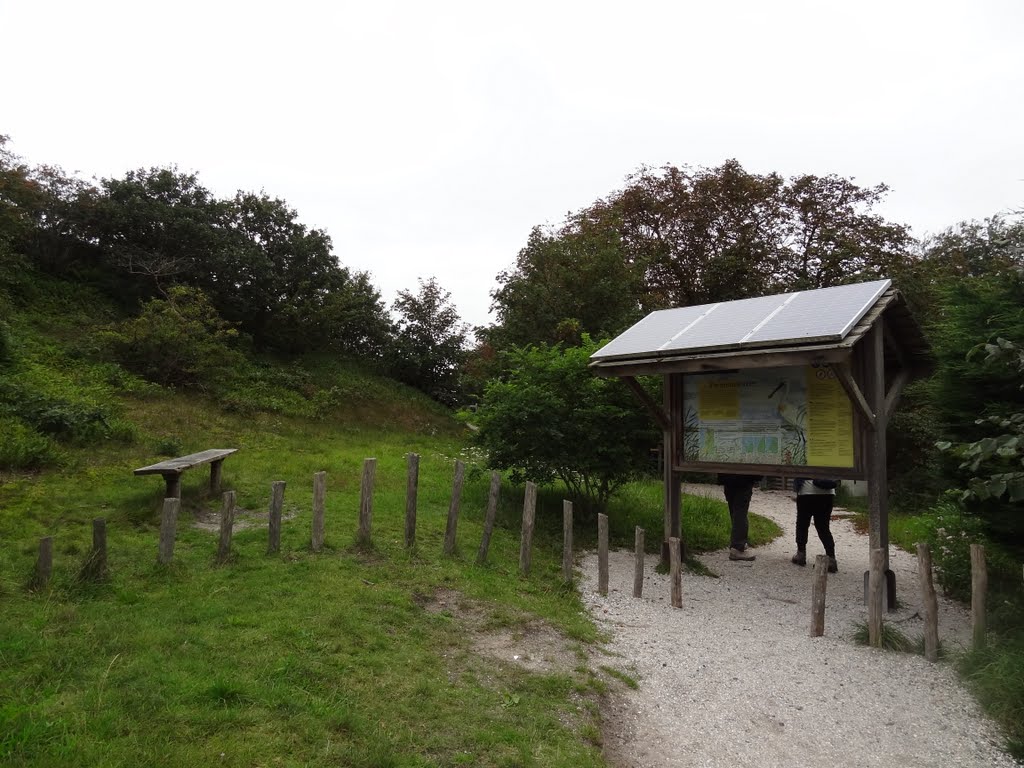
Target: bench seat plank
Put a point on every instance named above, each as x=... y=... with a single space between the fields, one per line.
x=182 y=463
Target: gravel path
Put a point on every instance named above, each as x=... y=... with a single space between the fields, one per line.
x=734 y=679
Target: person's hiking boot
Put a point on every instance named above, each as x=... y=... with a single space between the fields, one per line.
x=833 y=566
x=800 y=558
x=741 y=554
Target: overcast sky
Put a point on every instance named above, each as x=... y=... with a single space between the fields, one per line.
x=428 y=138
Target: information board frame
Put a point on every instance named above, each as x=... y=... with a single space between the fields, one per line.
x=792 y=409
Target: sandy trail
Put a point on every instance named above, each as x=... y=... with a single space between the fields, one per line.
x=734 y=679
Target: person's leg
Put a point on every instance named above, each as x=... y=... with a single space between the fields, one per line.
x=822 y=516
x=803 y=527
x=739 y=502
x=739 y=507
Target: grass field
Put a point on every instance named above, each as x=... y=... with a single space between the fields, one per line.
x=296 y=658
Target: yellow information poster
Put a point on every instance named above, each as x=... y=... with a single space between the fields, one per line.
x=719 y=400
x=829 y=420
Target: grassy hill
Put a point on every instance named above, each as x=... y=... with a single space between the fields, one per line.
x=376 y=656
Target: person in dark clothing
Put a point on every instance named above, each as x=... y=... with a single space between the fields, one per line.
x=814 y=501
x=738 y=491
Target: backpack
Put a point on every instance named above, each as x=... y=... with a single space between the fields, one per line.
x=825 y=485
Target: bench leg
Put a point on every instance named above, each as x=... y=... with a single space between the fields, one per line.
x=173 y=486
x=215 y=473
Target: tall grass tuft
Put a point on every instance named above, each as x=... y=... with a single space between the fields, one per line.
x=892 y=639
x=996 y=675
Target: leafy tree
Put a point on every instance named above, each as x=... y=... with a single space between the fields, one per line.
x=963 y=286
x=996 y=463
x=701 y=235
x=832 y=236
x=430 y=346
x=38 y=211
x=549 y=418
x=157 y=228
x=261 y=268
x=180 y=340
x=566 y=283
x=677 y=236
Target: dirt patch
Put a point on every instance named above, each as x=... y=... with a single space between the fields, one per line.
x=513 y=638
x=209 y=520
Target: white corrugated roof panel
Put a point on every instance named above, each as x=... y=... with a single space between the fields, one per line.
x=823 y=314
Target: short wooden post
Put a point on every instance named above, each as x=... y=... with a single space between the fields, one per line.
x=929 y=601
x=876 y=578
x=492 y=511
x=602 y=554
x=44 y=563
x=95 y=568
x=216 y=468
x=979 y=587
x=411 y=490
x=227 y=525
x=567 y=541
x=319 y=494
x=453 y=509
x=638 y=568
x=526 y=537
x=818 y=596
x=363 y=535
x=675 y=566
x=168 y=529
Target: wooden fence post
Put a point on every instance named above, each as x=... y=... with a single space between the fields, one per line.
x=526 y=537
x=411 y=489
x=168 y=527
x=818 y=596
x=979 y=586
x=363 y=535
x=44 y=563
x=929 y=602
x=276 y=505
x=876 y=578
x=227 y=524
x=95 y=566
x=567 y=541
x=638 y=568
x=492 y=511
x=676 y=572
x=453 y=509
x=602 y=554
x=319 y=494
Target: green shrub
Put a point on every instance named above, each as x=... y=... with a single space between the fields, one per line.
x=950 y=534
x=180 y=341
x=170 y=446
x=549 y=417
x=70 y=418
x=21 y=447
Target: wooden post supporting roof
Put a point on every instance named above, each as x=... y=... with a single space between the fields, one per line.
x=673 y=496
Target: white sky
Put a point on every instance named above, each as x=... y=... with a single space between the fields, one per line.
x=427 y=138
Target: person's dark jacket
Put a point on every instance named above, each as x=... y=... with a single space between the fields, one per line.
x=739 y=481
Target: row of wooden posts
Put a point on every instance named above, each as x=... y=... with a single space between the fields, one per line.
x=95 y=566
x=929 y=600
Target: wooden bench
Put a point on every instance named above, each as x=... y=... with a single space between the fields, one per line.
x=172 y=469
